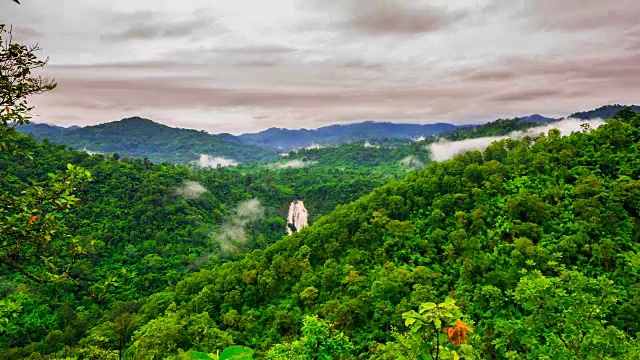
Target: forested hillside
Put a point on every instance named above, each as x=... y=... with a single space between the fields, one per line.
x=142 y=138
x=535 y=240
x=603 y=112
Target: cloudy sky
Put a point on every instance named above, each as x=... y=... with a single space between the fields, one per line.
x=246 y=65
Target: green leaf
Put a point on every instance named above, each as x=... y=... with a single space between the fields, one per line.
x=416 y=327
x=442 y=337
x=195 y=355
x=237 y=353
x=427 y=306
x=438 y=323
x=409 y=321
x=448 y=302
x=424 y=354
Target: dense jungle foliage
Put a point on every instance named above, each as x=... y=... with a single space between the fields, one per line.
x=536 y=241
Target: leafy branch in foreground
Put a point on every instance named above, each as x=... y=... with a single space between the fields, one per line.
x=17 y=82
x=33 y=241
x=440 y=330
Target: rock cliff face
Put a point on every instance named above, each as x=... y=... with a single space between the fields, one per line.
x=297 y=216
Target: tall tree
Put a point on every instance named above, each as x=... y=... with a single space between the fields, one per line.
x=32 y=237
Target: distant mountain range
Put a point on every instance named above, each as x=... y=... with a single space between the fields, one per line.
x=138 y=137
x=285 y=139
x=143 y=138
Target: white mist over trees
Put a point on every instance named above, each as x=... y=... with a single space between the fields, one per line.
x=191 y=190
x=444 y=149
x=207 y=161
x=232 y=231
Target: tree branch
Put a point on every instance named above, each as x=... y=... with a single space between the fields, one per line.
x=22 y=270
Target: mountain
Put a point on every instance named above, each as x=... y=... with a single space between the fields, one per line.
x=604 y=112
x=285 y=139
x=143 y=138
x=137 y=137
x=40 y=131
x=537 y=118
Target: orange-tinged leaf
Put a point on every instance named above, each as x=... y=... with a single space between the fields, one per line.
x=463 y=325
x=32 y=219
x=457 y=334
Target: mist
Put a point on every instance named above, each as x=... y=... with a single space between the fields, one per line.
x=314 y=146
x=207 y=161
x=92 y=152
x=412 y=162
x=190 y=190
x=293 y=164
x=444 y=149
x=232 y=233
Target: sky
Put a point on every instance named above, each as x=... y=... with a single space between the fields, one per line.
x=247 y=65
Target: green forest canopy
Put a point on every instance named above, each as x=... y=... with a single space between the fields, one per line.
x=536 y=240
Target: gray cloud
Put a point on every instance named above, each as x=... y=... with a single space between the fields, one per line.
x=580 y=15
x=25 y=33
x=148 y=25
x=210 y=64
x=207 y=161
x=380 y=17
x=384 y=17
x=293 y=164
x=526 y=95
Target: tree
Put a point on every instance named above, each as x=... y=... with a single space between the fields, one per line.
x=122 y=325
x=319 y=341
x=17 y=82
x=439 y=331
x=33 y=241
x=564 y=317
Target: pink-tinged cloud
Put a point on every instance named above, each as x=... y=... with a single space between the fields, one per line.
x=248 y=65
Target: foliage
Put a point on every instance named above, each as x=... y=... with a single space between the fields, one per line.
x=32 y=237
x=17 y=82
x=535 y=240
x=439 y=332
x=318 y=341
x=603 y=112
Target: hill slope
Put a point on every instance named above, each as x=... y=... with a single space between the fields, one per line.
x=137 y=137
x=494 y=229
x=603 y=112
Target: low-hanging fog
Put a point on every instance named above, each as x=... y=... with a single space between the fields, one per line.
x=444 y=149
